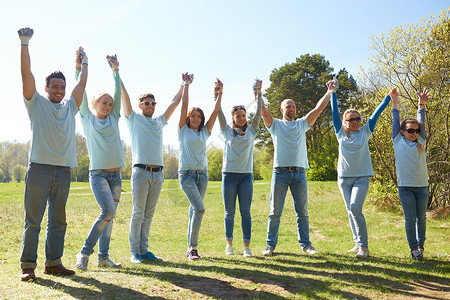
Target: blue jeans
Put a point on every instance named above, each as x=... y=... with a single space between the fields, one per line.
x=282 y=180
x=45 y=184
x=194 y=183
x=106 y=187
x=354 y=191
x=414 y=202
x=146 y=188
x=241 y=185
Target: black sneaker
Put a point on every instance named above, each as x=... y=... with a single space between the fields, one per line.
x=192 y=254
x=420 y=249
x=415 y=254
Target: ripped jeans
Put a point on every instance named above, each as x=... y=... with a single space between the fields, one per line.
x=194 y=183
x=106 y=187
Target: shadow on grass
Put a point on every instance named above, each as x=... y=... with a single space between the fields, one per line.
x=101 y=289
x=335 y=276
x=282 y=276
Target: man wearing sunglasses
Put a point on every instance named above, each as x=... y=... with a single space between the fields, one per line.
x=289 y=164
x=147 y=175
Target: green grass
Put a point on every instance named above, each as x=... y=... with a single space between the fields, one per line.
x=333 y=274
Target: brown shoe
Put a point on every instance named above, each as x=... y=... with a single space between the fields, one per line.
x=58 y=270
x=27 y=275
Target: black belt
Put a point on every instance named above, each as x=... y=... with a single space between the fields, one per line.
x=291 y=169
x=148 y=168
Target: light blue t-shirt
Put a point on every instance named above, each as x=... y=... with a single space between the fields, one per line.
x=238 y=150
x=289 y=141
x=146 y=138
x=53 y=131
x=354 y=155
x=102 y=135
x=193 y=154
x=411 y=164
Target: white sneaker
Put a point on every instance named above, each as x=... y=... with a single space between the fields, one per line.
x=229 y=250
x=354 y=249
x=82 y=261
x=108 y=263
x=363 y=252
x=268 y=251
x=310 y=250
x=247 y=252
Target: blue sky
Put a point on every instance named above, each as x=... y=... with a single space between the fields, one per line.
x=156 y=41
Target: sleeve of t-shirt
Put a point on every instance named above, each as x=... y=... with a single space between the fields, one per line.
x=272 y=128
x=30 y=104
x=337 y=123
x=395 y=122
x=73 y=105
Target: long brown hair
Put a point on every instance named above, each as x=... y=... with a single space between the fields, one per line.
x=233 y=111
x=188 y=121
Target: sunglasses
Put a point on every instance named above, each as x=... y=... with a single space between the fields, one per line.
x=148 y=103
x=412 y=130
x=357 y=119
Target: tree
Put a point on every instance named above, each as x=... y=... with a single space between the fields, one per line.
x=82 y=151
x=215 y=155
x=412 y=57
x=170 y=157
x=12 y=154
x=304 y=81
x=19 y=172
x=126 y=171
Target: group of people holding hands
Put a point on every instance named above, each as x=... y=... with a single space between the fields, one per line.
x=53 y=153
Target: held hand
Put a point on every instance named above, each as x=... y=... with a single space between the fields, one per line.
x=187 y=78
x=333 y=85
x=218 y=87
x=84 y=59
x=424 y=97
x=394 y=96
x=113 y=62
x=257 y=84
x=25 y=35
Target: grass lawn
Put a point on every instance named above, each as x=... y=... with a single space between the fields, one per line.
x=389 y=273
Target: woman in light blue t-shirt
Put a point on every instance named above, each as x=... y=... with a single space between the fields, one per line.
x=412 y=175
x=106 y=160
x=193 y=163
x=237 y=169
x=355 y=166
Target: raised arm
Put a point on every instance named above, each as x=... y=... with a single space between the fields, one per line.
x=218 y=89
x=28 y=82
x=312 y=116
x=84 y=107
x=173 y=105
x=258 y=97
x=126 y=104
x=376 y=114
x=187 y=79
x=424 y=97
x=213 y=116
x=395 y=113
x=114 y=64
x=79 y=89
